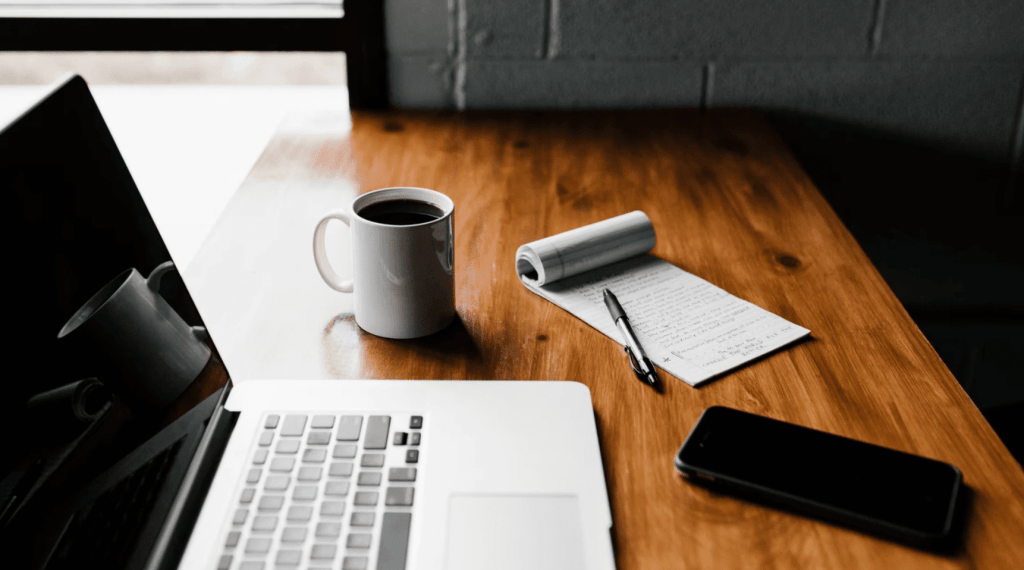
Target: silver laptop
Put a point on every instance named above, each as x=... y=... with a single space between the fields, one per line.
x=365 y=474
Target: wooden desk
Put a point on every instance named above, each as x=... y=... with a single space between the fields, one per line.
x=729 y=204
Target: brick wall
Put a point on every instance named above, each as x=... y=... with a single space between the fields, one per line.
x=948 y=73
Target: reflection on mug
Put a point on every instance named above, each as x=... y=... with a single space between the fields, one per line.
x=155 y=354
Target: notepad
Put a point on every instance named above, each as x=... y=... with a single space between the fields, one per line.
x=688 y=327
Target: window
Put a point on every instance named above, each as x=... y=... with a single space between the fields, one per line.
x=355 y=27
x=170 y=8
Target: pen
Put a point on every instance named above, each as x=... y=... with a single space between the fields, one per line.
x=642 y=366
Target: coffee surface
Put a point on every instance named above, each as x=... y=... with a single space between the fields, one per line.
x=401 y=212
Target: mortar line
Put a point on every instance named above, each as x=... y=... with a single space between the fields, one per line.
x=875 y=34
x=553 y=31
x=707 y=80
x=459 y=87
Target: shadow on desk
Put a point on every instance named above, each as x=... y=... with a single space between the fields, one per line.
x=952 y=547
x=943 y=227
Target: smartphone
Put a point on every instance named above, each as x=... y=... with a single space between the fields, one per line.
x=868 y=487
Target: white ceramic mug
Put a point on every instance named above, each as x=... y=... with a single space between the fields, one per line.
x=156 y=354
x=404 y=275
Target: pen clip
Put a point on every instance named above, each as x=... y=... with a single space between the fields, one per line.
x=633 y=363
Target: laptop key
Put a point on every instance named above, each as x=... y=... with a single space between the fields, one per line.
x=412 y=456
x=328 y=530
x=288 y=446
x=377 y=432
x=355 y=563
x=349 y=428
x=284 y=464
x=304 y=493
x=369 y=478
x=363 y=518
x=358 y=540
x=402 y=474
x=288 y=557
x=260 y=457
x=340 y=469
x=336 y=488
x=271 y=503
x=345 y=451
x=262 y=523
x=277 y=483
x=251 y=565
x=332 y=508
x=310 y=473
x=240 y=516
x=414 y=438
x=254 y=475
x=400 y=438
x=247 y=494
x=394 y=541
x=257 y=546
x=232 y=540
x=372 y=460
x=323 y=552
x=319 y=438
x=297 y=513
x=266 y=438
x=366 y=498
x=224 y=563
x=416 y=422
x=399 y=497
x=271 y=422
x=294 y=425
x=322 y=422
x=293 y=534
x=314 y=456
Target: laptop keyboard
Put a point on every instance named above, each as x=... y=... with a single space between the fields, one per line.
x=326 y=491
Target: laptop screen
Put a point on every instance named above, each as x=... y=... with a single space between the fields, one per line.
x=76 y=228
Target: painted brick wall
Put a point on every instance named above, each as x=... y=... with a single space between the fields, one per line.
x=948 y=73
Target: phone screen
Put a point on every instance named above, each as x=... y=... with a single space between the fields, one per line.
x=786 y=461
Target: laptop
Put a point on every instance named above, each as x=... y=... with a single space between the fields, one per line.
x=363 y=474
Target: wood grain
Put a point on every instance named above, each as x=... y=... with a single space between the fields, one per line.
x=728 y=203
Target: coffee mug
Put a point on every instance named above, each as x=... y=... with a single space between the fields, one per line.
x=155 y=354
x=403 y=261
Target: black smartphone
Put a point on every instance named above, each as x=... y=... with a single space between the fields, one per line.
x=865 y=486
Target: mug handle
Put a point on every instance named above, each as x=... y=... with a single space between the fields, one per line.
x=323 y=265
x=153 y=284
x=155 y=276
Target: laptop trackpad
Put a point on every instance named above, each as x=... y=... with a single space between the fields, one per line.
x=506 y=532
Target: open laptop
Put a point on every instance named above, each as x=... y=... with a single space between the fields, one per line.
x=375 y=474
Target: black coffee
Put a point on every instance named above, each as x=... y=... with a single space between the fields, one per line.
x=401 y=212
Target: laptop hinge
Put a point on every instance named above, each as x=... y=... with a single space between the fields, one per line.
x=177 y=529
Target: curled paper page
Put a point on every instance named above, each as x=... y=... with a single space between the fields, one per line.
x=583 y=249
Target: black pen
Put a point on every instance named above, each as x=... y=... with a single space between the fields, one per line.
x=642 y=366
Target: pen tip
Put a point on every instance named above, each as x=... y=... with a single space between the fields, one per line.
x=655 y=383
